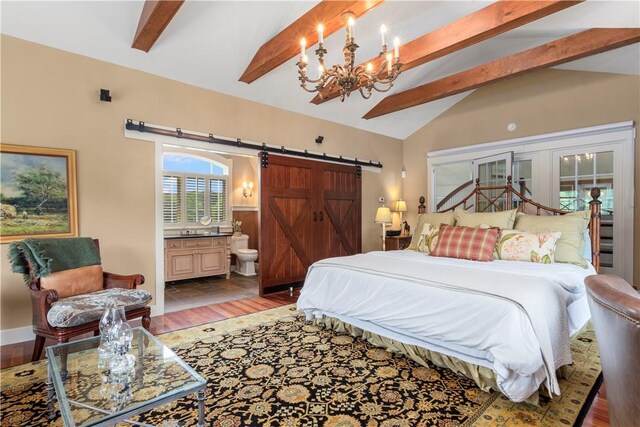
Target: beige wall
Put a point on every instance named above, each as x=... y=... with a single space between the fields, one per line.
x=50 y=98
x=245 y=169
x=542 y=102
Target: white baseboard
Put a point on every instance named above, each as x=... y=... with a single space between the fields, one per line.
x=15 y=335
x=156 y=311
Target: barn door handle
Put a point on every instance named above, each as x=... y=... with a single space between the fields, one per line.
x=315 y=216
x=321 y=216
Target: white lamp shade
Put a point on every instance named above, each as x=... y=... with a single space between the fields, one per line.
x=383 y=215
x=401 y=206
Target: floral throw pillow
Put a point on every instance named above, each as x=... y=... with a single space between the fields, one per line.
x=428 y=238
x=514 y=245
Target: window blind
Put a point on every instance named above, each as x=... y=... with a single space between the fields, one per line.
x=195 y=198
x=218 y=200
x=171 y=199
x=186 y=199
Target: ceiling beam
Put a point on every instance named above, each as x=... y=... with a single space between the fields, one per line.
x=481 y=25
x=154 y=18
x=580 y=45
x=285 y=45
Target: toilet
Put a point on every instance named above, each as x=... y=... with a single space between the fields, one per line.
x=245 y=258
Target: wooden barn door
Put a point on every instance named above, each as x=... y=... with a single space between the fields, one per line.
x=287 y=202
x=340 y=211
x=309 y=210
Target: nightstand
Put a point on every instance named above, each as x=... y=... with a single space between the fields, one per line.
x=394 y=243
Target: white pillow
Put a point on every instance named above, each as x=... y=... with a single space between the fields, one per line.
x=587 y=246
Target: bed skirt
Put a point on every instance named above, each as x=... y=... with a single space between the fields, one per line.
x=484 y=377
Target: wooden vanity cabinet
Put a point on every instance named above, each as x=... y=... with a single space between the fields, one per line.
x=197 y=257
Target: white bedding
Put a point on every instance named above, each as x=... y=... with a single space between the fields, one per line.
x=512 y=317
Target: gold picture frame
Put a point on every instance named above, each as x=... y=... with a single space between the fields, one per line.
x=38 y=192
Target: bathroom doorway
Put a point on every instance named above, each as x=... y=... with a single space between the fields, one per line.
x=210 y=212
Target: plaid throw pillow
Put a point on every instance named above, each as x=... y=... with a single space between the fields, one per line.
x=472 y=243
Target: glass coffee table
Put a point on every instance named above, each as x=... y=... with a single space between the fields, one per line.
x=89 y=395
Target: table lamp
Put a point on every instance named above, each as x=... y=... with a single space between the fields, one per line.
x=401 y=206
x=383 y=216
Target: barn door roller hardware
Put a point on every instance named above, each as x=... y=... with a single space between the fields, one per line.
x=179 y=133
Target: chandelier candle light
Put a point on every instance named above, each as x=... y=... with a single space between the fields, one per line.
x=349 y=77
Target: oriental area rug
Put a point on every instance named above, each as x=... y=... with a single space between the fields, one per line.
x=274 y=369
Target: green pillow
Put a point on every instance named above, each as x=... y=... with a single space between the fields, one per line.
x=503 y=220
x=570 y=246
x=435 y=218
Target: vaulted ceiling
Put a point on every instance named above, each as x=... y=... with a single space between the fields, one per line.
x=211 y=44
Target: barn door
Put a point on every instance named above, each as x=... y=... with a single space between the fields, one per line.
x=340 y=225
x=287 y=201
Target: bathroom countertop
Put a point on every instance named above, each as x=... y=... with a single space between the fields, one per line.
x=195 y=236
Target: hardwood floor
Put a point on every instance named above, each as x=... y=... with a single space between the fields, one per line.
x=17 y=354
x=598 y=415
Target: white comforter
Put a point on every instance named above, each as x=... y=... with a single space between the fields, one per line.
x=513 y=317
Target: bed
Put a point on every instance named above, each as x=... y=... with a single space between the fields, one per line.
x=504 y=324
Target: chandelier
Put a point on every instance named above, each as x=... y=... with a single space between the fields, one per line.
x=348 y=77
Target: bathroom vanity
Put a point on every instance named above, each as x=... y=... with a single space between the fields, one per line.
x=190 y=256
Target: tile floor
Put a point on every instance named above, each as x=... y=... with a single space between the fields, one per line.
x=185 y=294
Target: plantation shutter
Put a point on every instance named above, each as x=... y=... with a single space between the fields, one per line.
x=195 y=195
x=218 y=200
x=171 y=199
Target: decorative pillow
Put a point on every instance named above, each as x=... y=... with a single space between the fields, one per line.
x=431 y=218
x=503 y=220
x=428 y=238
x=76 y=281
x=570 y=246
x=515 y=245
x=477 y=244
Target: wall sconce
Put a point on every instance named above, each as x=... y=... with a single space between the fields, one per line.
x=247 y=189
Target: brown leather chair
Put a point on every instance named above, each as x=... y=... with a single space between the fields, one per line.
x=615 y=314
x=70 y=287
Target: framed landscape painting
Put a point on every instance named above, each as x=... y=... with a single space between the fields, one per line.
x=38 y=196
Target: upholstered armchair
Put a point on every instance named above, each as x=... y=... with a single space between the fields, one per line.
x=70 y=303
x=615 y=313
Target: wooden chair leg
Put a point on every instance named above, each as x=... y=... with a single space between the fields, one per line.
x=63 y=359
x=37 y=348
x=146 y=321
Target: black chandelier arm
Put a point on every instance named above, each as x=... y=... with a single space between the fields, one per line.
x=303 y=78
x=367 y=95
x=304 y=86
x=388 y=87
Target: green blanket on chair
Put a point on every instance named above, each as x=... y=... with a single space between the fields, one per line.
x=50 y=255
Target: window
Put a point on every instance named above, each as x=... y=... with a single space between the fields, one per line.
x=192 y=188
x=579 y=172
x=450 y=177
x=188 y=163
x=171 y=203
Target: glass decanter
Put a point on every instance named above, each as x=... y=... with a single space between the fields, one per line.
x=112 y=317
